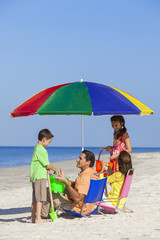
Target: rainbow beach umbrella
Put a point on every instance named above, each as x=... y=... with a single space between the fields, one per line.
x=81 y=98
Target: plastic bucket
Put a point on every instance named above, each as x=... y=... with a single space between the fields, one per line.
x=98 y=165
x=56 y=187
x=98 y=169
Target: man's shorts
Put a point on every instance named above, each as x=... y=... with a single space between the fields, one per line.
x=39 y=191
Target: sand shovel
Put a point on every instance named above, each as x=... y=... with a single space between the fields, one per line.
x=52 y=214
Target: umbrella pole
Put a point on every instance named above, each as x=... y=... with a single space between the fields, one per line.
x=82 y=133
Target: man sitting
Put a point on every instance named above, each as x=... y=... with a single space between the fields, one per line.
x=75 y=192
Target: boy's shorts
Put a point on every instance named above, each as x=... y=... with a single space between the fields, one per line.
x=39 y=191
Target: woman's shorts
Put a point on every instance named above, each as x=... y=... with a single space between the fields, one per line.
x=39 y=190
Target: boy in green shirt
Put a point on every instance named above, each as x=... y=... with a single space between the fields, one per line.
x=39 y=166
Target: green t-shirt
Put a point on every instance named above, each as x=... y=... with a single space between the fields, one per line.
x=39 y=163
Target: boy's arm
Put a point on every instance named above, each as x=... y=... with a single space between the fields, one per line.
x=50 y=167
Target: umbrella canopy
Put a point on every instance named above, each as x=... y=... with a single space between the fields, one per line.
x=81 y=98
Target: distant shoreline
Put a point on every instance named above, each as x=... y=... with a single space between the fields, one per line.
x=21 y=156
x=74 y=147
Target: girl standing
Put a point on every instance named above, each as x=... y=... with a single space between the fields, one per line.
x=121 y=142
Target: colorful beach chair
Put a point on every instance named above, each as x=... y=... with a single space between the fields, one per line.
x=95 y=194
x=124 y=194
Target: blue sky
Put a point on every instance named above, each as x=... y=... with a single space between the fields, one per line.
x=46 y=43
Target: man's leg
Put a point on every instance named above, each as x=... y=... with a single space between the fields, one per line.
x=60 y=199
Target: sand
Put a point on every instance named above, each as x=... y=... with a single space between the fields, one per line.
x=143 y=199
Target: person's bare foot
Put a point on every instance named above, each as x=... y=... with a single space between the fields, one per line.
x=32 y=220
x=123 y=209
x=41 y=220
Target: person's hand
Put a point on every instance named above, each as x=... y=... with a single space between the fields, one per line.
x=114 y=156
x=57 y=172
x=104 y=165
x=61 y=179
x=108 y=148
x=61 y=173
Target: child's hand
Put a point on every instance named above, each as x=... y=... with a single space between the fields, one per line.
x=104 y=165
x=114 y=156
x=57 y=172
x=108 y=148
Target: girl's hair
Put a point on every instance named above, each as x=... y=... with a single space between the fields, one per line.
x=120 y=119
x=125 y=162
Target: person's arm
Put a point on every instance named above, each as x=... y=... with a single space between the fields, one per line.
x=108 y=148
x=128 y=145
x=110 y=179
x=74 y=195
x=50 y=167
x=114 y=156
x=103 y=165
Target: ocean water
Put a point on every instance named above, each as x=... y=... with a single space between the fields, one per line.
x=21 y=156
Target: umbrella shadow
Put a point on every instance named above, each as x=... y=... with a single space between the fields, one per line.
x=12 y=211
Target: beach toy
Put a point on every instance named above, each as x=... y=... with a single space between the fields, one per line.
x=52 y=214
x=98 y=164
x=56 y=186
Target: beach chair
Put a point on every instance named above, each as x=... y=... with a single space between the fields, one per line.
x=94 y=195
x=124 y=194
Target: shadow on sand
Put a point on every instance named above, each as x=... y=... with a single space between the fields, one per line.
x=12 y=211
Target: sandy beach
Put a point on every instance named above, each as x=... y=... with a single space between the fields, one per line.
x=144 y=200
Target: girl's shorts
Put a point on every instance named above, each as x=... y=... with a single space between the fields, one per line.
x=39 y=190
